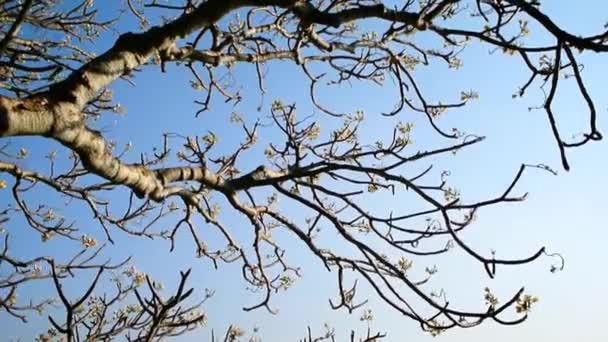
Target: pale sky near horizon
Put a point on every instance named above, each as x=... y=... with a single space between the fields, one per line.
x=563 y=213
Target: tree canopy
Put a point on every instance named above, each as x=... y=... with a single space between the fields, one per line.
x=300 y=177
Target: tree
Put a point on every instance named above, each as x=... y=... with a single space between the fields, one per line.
x=54 y=87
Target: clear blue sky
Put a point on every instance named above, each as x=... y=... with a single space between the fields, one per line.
x=563 y=213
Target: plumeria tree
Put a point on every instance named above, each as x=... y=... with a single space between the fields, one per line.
x=54 y=86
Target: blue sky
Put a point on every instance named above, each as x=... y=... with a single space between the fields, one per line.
x=563 y=213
